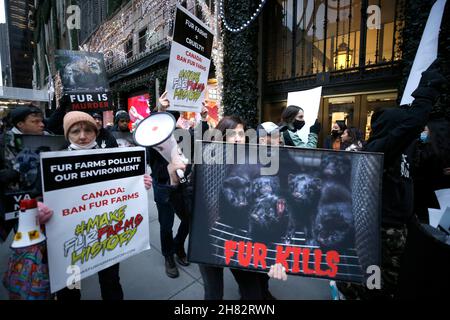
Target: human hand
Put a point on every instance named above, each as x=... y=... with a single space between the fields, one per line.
x=315 y=128
x=178 y=162
x=204 y=113
x=148 y=181
x=277 y=271
x=44 y=213
x=164 y=103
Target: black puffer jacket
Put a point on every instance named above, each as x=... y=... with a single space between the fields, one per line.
x=394 y=132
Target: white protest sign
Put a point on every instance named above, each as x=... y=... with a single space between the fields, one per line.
x=427 y=51
x=309 y=101
x=100 y=209
x=190 y=59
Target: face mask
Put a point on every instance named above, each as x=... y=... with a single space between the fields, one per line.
x=298 y=125
x=335 y=133
x=424 y=137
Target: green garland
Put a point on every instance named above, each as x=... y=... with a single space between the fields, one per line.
x=240 y=67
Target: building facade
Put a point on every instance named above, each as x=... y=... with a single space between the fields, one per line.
x=352 y=48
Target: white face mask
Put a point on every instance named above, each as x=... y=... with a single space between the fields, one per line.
x=74 y=146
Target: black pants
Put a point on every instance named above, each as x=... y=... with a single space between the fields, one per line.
x=251 y=285
x=109 y=286
x=166 y=216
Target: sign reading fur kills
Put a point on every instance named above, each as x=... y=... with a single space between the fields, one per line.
x=100 y=209
x=317 y=212
x=190 y=58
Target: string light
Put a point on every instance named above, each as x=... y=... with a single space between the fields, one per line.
x=246 y=24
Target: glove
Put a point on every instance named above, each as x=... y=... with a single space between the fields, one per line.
x=315 y=128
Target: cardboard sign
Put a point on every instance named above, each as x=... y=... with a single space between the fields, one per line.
x=22 y=153
x=317 y=212
x=100 y=210
x=84 y=80
x=190 y=59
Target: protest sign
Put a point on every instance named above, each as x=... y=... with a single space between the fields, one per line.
x=190 y=58
x=84 y=80
x=100 y=209
x=309 y=101
x=317 y=213
x=21 y=154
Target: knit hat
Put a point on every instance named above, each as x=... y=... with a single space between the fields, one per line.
x=121 y=114
x=74 y=117
x=20 y=113
x=268 y=128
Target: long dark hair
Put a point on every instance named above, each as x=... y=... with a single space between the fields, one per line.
x=355 y=134
x=289 y=114
x=229 y=122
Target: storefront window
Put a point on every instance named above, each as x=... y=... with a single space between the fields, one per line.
x=327 y=36
x=279 y=40
x=341 y=109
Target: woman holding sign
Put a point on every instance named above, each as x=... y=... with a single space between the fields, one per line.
x=81 y=132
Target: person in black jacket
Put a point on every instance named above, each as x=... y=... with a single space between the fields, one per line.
x=104 y=138
x=394 y=132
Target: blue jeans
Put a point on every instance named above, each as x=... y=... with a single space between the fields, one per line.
x=166 y=215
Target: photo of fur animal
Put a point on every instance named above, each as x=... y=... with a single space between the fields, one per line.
x=319 y=200
x=304 y=191
x=81 y=71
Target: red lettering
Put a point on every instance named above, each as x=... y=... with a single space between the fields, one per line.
x=230 y=246
x=138 y=220
x=129 y=224
x=305 y=259
x=332 y=259
x=65 y=212
x=282 y=256
x=118 y=227
x=296 y=264
x=318 y=262
x=244 y=254
x=259 y=255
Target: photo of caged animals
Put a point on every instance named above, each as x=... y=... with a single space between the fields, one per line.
x=318 y=200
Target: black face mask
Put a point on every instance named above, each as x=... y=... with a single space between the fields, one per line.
x=298 y=124
x=335 y=133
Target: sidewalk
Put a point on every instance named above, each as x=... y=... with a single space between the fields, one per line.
x=143 y=277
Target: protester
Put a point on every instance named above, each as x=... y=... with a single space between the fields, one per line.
x=170 y=246
x=104 y=138
x=352 y=139
x=293 y=118
x=394 y=132
x=334 y=141
x=250 y=284
x=432 y=166
x=121 y=121
x=25 y=120
x=80 y=129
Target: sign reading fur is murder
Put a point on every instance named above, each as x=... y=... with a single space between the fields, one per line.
x=100 y=210
x=315 y=211
x=84 y=80
x=190 y=58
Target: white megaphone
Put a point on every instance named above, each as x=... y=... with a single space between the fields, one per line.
x=29 y=231
x=156 y=131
